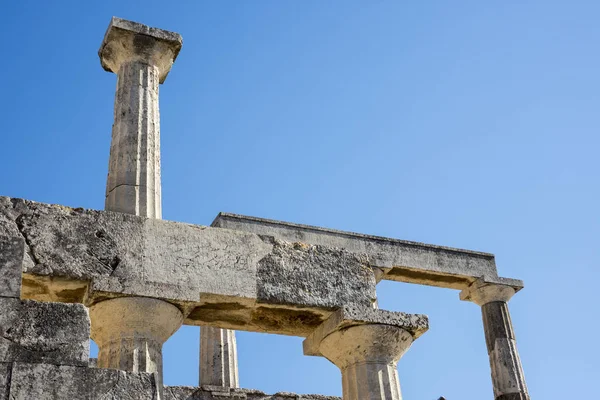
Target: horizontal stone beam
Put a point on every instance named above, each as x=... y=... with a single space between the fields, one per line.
x=218 y=277
x=400 y=260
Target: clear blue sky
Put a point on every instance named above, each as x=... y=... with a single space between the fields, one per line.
x=461 y=123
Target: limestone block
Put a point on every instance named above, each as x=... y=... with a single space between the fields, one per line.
x=401 y=260
x=297 y=273
x=223 y=393
x=11 y=261
x=32 y=331
x=5 y=371
x=229 y=279
x=54 y=382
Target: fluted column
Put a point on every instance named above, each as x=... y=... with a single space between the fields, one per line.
x=133 y=184
x=507 y=372
x=218 y=357
x=130 y=331
x=368 y=355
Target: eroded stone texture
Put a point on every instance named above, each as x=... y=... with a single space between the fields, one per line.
x=127 y=41
x=414 y=324
x=32 y=331
x=226 y=278
x=508 y=378
x=400 y=260
x=11 y=259
x=507 y=373
x=293 y=274
x=5 y=371
x=130 y=332
x=218 y=357
x=53 y=382
x=222 y=393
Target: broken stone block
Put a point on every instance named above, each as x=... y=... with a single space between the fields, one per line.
x=11 y=260
x=59 y=382
x=32 y=331
x=209 y=392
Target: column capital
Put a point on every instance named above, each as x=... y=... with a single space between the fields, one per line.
x=346 y=317
x=373 y=343
x=484 y=291
x=127 y=41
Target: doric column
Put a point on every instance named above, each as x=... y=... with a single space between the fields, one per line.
x=365 y=350
x=141 y=57
x=218 y=357
x=130 y=331
x=507 y=373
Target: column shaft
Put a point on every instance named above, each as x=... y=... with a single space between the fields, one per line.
x=367 y=356
x=371 y=381
x=133 y=185
x=218 y=357
x=507 y=373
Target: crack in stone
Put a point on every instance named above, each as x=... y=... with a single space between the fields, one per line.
x=122 y=184
x=30 y=247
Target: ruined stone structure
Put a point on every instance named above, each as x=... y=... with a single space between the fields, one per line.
x=129 y=280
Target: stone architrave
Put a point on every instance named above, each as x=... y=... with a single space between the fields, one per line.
x=366 y=346
x=507 y=372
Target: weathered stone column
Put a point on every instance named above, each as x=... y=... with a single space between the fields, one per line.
x=141 y=57
x=366 y=346
x=507 y=373
x=218 y=357
x=368 y=355
x=130 y=331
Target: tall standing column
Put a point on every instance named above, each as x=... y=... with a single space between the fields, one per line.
x=130 y=331
x=507 y=372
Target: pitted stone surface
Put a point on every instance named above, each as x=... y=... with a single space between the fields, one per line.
x=293 y=273
x=226 y=278
x=5 y=371
x=131 y=41
x=12 y=251
x=400 y=260
x=414 y=324
x=224 y=393
x=32 y=331
x=53 y=382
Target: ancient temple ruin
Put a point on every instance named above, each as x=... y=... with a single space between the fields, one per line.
x=129 y=280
